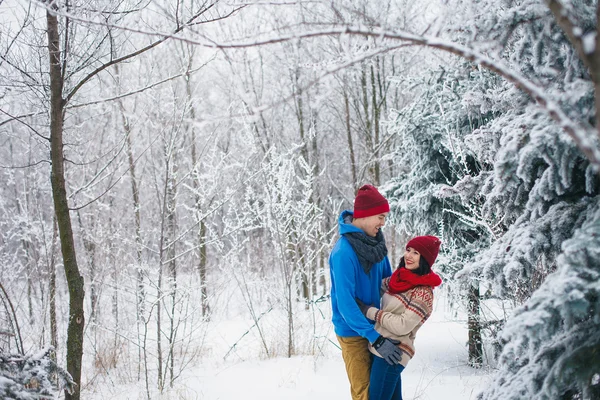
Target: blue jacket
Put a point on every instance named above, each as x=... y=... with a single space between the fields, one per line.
x=349 y=281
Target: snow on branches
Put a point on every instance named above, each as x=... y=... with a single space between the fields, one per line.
x=34 y=376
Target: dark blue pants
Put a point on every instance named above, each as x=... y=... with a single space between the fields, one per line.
x=386 y=383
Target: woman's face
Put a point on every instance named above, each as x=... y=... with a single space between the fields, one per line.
x=411 y=258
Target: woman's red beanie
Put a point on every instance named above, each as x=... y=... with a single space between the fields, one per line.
x=427 y=246
x=369 y=202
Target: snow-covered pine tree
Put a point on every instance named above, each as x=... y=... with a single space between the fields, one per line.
x=527 y=183
x=433 y=155
x=552 y=348
x=34 y=376
x=540 y=182
x=549 y=194
x=542 y=188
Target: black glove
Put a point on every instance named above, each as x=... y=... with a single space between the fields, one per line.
x=388 y=349
x=363 y=307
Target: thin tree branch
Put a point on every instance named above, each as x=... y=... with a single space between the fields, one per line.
x=581 y=133
x=134 y=91
x=18 y=119
x=25 y=166
x=33 y=114
x=131 y=55
x=113 y=184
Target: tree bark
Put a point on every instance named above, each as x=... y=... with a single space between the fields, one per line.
x=299 y=103
x=475 y=345
x=140 y=290
x=376 y=117
x=52 y=289
x=172 y=232
x=364 y=86
x=89 y=248
x=349 y=137
x=61 y=209
x=197 y=201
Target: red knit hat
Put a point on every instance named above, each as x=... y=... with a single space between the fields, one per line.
x=369 y=202
x=427 y=246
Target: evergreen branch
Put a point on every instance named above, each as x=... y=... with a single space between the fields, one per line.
x=589 y=54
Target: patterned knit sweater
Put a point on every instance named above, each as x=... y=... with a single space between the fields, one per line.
x=401 y=315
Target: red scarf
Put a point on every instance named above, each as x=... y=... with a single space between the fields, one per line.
x=403 y=279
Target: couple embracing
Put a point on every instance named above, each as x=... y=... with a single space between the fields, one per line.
x=377 y=313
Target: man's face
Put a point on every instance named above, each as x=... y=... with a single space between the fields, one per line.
x=371 y=225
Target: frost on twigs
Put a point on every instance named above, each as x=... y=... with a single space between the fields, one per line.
x=34 y=376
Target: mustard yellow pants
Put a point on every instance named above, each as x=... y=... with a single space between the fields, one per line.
x=357 y=358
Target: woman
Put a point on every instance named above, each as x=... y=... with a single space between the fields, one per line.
x=405 y=306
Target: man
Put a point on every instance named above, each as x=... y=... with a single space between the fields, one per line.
x=358 y=263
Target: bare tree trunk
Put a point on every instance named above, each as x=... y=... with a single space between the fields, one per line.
x=393 y=247
x=29 y=257
x=316 y=199
x=61 y=207
x=172 y=229
x=290 y=320
x=141 y=296
x=196 y=186
x=349 y=136
x=52 y=289
x=376 y=118
x=300 y=115
x=167 y=257
x=322 y=273
x=90 y=251
x=304 y=275
x=140 y=290
x=475 y=345
x=159 y=293
x=29 y=272
x=116 y=289
x=299 y=103
x=368 y=125
x=202 y=270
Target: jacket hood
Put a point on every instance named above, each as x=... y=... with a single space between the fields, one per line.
x=345 y=223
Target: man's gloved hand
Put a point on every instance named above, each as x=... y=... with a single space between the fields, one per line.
x=388 y=349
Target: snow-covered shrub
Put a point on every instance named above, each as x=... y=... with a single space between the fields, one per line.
x=552 y=343
x=35 y=376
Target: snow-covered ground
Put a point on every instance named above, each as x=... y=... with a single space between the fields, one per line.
x=438 y=371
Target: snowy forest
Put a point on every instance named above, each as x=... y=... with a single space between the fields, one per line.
x=169 y=166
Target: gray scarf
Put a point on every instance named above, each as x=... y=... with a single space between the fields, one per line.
x=370 y=250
